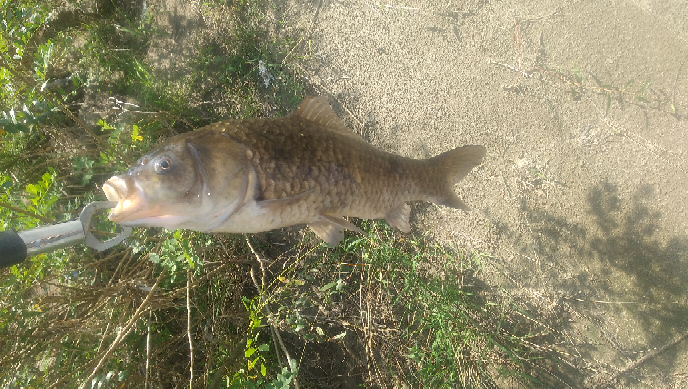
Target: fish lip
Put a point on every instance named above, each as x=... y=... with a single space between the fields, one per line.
x=116 y=190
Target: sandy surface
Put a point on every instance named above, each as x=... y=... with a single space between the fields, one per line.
x=580 y=206
x=579 y=209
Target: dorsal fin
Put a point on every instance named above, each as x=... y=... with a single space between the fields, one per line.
x=318 y=110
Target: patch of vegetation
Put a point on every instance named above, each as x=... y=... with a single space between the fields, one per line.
x=406 y=306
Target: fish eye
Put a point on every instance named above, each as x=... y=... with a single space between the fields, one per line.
x=163 y=165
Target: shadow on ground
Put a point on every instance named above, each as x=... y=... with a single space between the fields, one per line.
x=623 y=286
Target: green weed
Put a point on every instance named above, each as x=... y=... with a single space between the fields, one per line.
x=436 y=325
x=582 y=83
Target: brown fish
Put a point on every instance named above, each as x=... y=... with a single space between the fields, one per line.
x=255 y=175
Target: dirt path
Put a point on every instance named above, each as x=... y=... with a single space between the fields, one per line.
x=580 y=205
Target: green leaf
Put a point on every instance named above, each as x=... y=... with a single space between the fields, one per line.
x=339 y=336
x=294 y=366
x=135 y=134
x=155 y=258
x=104 y=124
x=328 y=286
x=263 y=369
x=609 y=102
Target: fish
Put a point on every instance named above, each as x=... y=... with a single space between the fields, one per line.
x=254 y=175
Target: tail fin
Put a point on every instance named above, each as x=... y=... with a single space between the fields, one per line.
x=454 y=165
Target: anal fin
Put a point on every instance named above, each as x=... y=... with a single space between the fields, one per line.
x=399 y=217
x=331 y=229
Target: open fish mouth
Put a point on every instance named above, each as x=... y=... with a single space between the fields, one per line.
x=116 y=190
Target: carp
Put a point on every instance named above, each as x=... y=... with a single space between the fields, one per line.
x=253 y=175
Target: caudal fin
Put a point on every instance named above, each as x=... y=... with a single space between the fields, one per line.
x=454 y=165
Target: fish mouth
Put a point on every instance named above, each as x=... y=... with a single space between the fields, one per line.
x=116 y=189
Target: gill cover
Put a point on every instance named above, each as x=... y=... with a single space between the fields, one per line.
x=194 y=180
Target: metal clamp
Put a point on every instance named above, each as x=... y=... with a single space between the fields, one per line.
x=91 y=241
x=16 y=247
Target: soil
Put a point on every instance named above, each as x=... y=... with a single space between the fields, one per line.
x=579 y=208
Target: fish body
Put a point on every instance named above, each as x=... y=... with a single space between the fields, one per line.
x=255 y=175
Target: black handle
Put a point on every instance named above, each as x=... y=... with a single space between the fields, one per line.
x=12 y=249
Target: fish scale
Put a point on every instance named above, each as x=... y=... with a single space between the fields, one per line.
x=285 y=160
x=260 y=174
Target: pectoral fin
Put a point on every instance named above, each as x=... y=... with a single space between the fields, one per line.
x=399 y=218
x=331 y=229
x=278 y=205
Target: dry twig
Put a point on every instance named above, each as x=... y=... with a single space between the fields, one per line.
x=122 y=334
x=266 y=310
x=189 y=274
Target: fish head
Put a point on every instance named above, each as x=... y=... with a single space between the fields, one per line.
x=192 y=181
